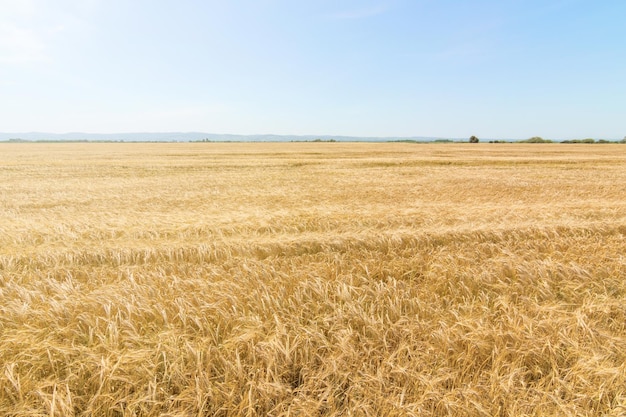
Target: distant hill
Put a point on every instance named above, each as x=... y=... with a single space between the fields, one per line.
x=197 y=136
x=219 y=137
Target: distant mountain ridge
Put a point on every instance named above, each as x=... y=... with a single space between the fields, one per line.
x=199 y=136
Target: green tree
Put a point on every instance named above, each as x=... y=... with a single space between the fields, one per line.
x=536 y=139
x=473 y=139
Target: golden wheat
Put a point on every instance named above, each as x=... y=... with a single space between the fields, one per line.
x=312 y=279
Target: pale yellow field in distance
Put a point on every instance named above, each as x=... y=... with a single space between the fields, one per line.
x=320 y=279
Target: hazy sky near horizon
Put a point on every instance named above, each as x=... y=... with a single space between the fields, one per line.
x=444 y=68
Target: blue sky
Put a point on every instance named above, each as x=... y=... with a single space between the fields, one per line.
x=494 y=69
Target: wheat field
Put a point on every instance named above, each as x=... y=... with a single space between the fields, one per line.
x=312 y=279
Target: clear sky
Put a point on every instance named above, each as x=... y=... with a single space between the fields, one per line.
x=444 y=68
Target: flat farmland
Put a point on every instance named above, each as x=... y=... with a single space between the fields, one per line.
x=326 y=279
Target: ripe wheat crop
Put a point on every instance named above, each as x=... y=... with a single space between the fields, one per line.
x=319 y=279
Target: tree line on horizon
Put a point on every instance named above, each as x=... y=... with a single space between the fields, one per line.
x=472 y=139
x=539 y=139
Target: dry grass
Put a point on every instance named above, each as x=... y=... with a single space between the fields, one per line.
x=312 y=279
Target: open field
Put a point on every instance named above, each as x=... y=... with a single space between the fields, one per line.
x=318 y=279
